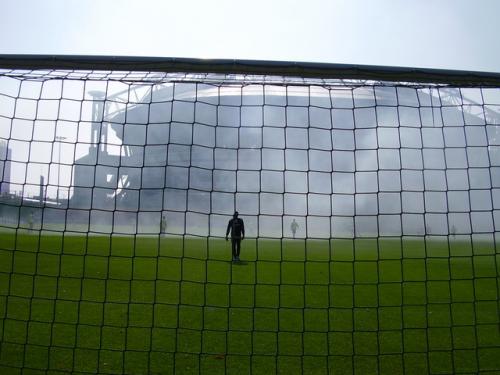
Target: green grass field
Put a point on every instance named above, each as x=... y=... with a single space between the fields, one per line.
x=164 y=305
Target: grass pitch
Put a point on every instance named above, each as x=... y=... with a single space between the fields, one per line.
x=161 y=305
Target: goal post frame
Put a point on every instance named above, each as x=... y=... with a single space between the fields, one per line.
x=257 y=67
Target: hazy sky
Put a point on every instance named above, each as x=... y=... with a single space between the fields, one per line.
x=448 y=34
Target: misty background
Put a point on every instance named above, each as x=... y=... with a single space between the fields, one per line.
x=343 y=160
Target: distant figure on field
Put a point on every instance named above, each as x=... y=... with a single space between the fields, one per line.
x=294 y=226
x=237 y=229
x=163 y=224
x=30 y=221
x=453 y=231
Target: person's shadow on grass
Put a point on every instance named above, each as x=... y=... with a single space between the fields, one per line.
x=239 y=263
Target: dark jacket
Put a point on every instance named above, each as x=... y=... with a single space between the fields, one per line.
x=236 y=227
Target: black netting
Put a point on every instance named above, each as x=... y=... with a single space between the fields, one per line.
x=370 y=209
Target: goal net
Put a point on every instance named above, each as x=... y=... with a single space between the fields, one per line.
x=371 y=213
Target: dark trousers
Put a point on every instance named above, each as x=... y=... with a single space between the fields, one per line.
x=236 y=246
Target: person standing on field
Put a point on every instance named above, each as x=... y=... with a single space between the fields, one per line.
x=30 y=221
x=237 y=229
x=294 y=226
x=163 y=224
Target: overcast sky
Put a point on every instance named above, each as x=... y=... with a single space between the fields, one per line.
x=447 y=34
